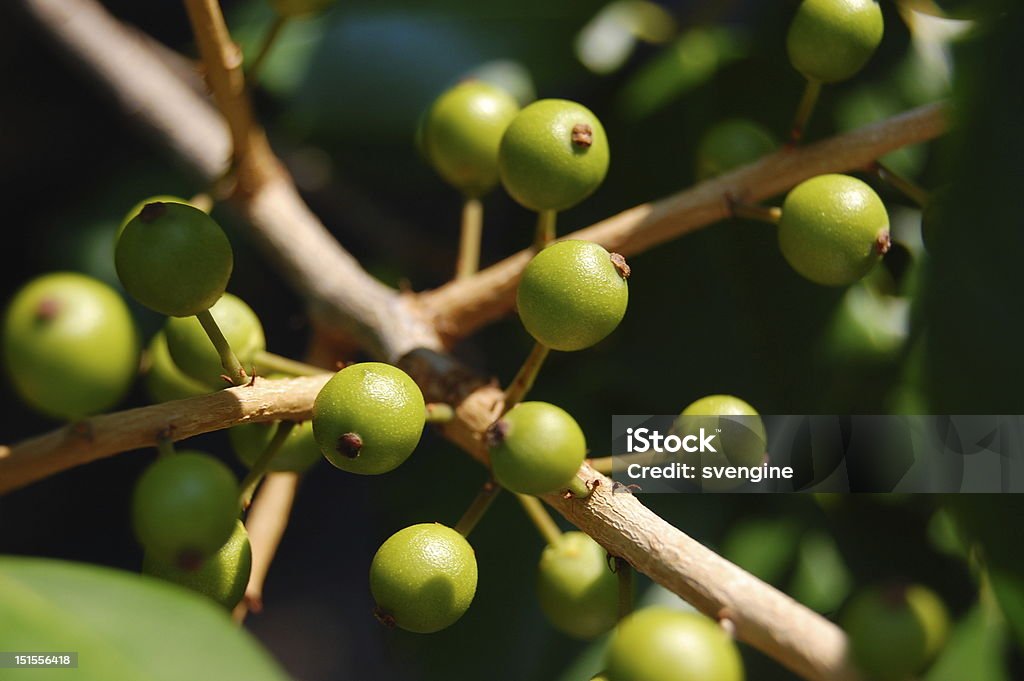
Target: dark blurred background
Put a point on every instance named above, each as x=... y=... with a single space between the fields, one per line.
x=719 y=311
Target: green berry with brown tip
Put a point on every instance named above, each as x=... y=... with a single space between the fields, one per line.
x=553 y=155
x=536 y=448
x=831 y=40
x=423 y=578
x=577 y=590
x=184 y=508
x=833 y=229
x=895 y=631
x=298 y=453
x=69 y=345
x=573 y=294
x=369 y=418
x=163 y=379
x=462 y=131
x=174 y=259
x=222 y=577
x=659 y=644
x=193 y=351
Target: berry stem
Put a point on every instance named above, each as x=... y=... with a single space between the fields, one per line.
x=524 y=380
x=252 y=73
x=754 y=211
x=602 y=464
x=203 y=201
x=228 y=360
x=476 y=510
x=578 y=488
x=259 y=469
x=270 y=362
x=904 y=185
x=546 y=221
x=165 y=446
x=439 y=412
x=542 y=520
x=803 y=112
x=469 y=240
x=624 y=571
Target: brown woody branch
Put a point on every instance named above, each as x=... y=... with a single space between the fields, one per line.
x=342 y=296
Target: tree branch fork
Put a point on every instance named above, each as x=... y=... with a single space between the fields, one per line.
x=414 y=330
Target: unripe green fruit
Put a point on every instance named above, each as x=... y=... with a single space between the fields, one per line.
x=164 y=380
x=462 y=131
x=70 y=345
x=831 y=40
x=193 y=351
x=423 y=578
x=577 y=590
x=137 y=208
x=895 y=631
x=573 y=294
x=298 y=8
x=658 y=644
x=174 y=259
x=731 y=144
x=184 y=508
x=536 y=448
x=553 y=155
x=369 y=418
x=297 y=454
x=741 y=439
x=221 y=577
x=833 y=230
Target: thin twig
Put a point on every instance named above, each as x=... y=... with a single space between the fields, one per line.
x=483 y=500
x=470 y=235
x=540 y=518
x=525 y=377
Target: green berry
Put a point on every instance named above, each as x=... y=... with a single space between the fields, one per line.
x=164 y=380
x=184 y=508
x=221 y=577
x=731 y=144
x=536 y=448
x=578 y=592
x=137 y=208
x=423 y=578
x=833 y=230
x=299 y=8
x=193 y=351
x=895 y=631
x=70 y=345
x=174 y=259
x=553 y=155
x=462 y=131
x=369 y=418
x=573 y=294
x=741 y=439
x=831 y=40
x=659 y=644
x=297 y=454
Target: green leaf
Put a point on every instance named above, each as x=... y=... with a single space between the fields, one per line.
x=123 y=626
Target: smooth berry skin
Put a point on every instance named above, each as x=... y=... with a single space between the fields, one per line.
x=577 y=590
x=163 y=379
x=731 y=144
x=174 y=259
x=70 y=345
x=193 y=351
x=462 y=131
x=184 y=508
x=833 y=230
x=369 y=418
x=298 y=453
x=895 y=631
x=300 y=8
x=741 y=442
x=553 y=155
x=423 y=578
x=831 y=40
x=572 y=295
x=658 y=644
x=222 y=577
x=536 y=448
